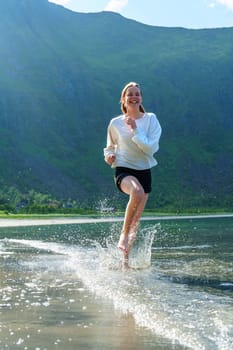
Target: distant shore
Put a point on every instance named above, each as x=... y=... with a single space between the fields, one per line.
x=14 y=222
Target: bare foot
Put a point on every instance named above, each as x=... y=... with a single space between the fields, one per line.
x=123 y=243
x=124 y=264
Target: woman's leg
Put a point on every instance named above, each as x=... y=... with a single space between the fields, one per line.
x=136 y=220
x=136 y=204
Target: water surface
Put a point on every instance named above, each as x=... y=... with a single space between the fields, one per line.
x=61 y=287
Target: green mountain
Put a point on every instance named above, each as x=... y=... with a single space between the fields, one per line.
x=61 y=74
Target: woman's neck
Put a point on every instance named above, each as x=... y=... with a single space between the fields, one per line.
x=134 y=114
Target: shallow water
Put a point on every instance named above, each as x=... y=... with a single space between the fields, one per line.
x=61 y=287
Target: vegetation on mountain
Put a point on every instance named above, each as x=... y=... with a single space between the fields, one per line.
x=61 y=74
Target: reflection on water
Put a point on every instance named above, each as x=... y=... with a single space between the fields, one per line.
x=60 y=287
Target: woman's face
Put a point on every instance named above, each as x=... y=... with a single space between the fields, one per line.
x=133 y=97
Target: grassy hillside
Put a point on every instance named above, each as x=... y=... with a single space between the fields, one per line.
x=61 y=74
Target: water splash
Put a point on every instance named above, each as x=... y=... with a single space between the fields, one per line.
x=110 y=256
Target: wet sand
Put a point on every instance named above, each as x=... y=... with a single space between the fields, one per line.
x=11 y=222
x=45 y=306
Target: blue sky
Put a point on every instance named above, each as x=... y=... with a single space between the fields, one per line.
x=168 y=13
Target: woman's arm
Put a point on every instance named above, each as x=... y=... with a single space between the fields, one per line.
x=109 y=150
x=149 y=143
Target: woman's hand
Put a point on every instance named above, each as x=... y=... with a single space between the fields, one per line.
x=131 y=122
x=110 y=159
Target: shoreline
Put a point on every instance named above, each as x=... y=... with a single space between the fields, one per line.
x=12 y=222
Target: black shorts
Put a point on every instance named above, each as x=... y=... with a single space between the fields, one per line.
x=143 y=176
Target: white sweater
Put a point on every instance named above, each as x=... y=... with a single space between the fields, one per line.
x=133 y=148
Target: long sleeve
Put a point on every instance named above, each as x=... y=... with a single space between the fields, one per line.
x=148 y=142
x=111 y=144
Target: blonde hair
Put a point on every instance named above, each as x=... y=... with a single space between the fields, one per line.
x=123 y=93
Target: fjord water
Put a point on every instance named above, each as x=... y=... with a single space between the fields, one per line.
x=61 y=287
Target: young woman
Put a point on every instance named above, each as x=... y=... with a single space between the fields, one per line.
x=132 y=139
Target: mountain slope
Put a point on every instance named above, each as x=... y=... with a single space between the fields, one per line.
x=60 y=82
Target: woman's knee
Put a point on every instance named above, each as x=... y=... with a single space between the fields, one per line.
x=137 y=192
x=131 y=186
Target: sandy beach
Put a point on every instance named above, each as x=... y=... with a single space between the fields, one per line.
x=11 y=222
